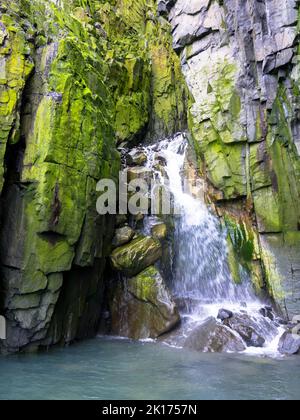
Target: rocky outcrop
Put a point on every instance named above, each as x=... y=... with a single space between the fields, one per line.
x=241 y=64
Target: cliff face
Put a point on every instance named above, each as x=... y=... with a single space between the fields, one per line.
x=241 y=63
x=76 y=79
x=81 y=78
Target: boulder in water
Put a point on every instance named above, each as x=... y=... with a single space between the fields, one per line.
x=143 y=307
x=224 y=314
x=134 y=257
x=213 y=337
x=289 y=343
x=136 y=157
x=245 y=326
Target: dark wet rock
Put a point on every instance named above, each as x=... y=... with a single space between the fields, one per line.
x=213 y=337
x=247 y=329
x=143 y=307
x=123 y=236
x=289 y=343
x=224 y=314
x=132 y=258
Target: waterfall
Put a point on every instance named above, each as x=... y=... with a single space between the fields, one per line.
x=201 y=278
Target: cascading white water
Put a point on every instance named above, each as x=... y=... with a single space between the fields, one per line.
x=201 y=275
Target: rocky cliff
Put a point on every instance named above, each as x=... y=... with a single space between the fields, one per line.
x=241 y=63
x=80 y=79
x=77 y=78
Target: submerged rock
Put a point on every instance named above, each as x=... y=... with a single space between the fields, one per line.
x=134 y=257
x=212 y=337
x=289 y=343
x=143 y=307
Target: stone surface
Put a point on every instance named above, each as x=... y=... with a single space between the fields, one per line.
x=252 y=331
x=76 y=78
x=136 y=157
x=289 y=343
x=142 y=307
x=212 y=337
x=159 y=231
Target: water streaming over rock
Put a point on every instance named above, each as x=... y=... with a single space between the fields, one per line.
x=201 y=279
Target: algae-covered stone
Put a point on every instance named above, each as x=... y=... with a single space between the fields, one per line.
x=123 y=236
x=134 y=257
x=143 y=307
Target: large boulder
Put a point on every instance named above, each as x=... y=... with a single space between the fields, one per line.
x=143 y=307
x=246 y=327
x=213 y=337
x=289 y=343
x=134 y=257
